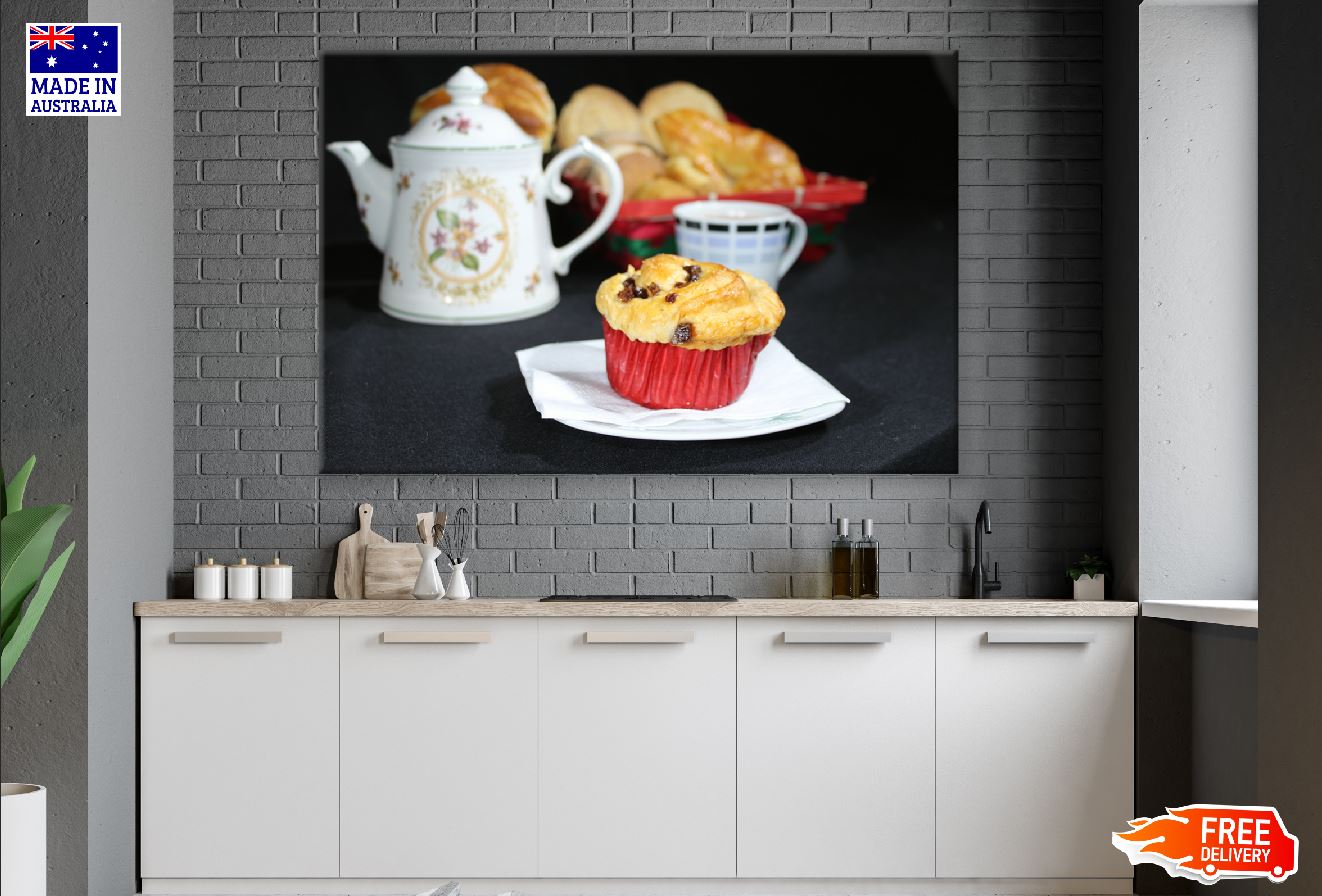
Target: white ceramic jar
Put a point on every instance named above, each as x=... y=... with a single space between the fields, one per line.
x=209 y=581
x=277 y=580
x=241 y=580
x=461 y=215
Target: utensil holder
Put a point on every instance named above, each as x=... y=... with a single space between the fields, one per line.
x=428 y=584
x=458 y=588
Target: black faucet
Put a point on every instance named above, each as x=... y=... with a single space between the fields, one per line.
x=981 y=584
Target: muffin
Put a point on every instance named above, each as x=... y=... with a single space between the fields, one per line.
x=685 y=334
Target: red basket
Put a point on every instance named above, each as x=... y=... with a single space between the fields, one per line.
x=646 y=227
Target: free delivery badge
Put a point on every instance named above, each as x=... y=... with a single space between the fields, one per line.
x=1207 y=843
x=73 y=69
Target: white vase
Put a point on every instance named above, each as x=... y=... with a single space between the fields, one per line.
x=22 y=840
x=428 y=584
x=1090 y=587
x=458 y=587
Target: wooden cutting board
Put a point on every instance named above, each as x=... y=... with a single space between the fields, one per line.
x=349 y=557
x=389 y=571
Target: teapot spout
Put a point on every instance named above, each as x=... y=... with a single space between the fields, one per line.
x=371 y=184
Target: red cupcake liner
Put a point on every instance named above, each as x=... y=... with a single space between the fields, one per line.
x=659 y=375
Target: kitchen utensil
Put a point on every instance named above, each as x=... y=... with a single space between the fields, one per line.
x=390 y=570
x=241 y=580
x=455 y=539
x=438 y=528
x=462 y=217
x=425 y=523
x=209 y=581
x=755 y=237
x=277 y=580
x=427 y=586
x=349 y=559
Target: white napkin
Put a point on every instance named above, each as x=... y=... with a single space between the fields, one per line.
x=567 y=381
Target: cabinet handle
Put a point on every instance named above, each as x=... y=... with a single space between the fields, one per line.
x=436 y=637
x=637 y=637
x=837 y=637
x=1012 y=637
x=225 y=637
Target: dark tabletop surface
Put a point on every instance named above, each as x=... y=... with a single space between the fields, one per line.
x=876 y=318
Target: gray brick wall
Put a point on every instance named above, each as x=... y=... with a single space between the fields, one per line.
x=246 y=477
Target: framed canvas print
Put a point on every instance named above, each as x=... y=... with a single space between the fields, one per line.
x=639 y=263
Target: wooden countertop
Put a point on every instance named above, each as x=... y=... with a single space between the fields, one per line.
x=510 y=607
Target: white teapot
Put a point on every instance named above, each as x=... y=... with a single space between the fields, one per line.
x=462 y=218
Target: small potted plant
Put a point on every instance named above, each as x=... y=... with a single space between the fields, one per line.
x=1089 y=575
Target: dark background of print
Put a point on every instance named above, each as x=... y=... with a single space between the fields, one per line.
x=877 y=317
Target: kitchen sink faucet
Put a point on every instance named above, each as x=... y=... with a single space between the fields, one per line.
x=981 y=584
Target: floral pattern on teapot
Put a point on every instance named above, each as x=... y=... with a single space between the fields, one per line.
x=464 y=236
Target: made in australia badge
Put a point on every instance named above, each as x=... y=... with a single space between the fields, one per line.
x=73 y=69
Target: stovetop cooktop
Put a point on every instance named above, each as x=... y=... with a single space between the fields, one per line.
x=644 y=598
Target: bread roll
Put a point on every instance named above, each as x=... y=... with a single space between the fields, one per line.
x=638 y=162
x=675 y=95
x=725 y=155
x=699 y=175
x=593 y=110
x=514 y=90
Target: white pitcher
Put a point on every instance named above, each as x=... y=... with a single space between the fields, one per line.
x=461 y=217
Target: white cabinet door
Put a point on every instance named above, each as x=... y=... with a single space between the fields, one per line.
x=239 y=747
x=835 y=755
x=438 y=748
x=637 y=748
x=1034 y=746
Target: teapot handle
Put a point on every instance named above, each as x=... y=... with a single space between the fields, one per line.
x=558 y=192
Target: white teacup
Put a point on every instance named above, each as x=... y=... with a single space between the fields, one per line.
x=755 y=237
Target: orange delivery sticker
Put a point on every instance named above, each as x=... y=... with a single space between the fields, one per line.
x=1208 y=843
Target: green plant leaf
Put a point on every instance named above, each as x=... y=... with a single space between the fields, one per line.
x=18 y=635
x=14 y=488
x=470 y=261
x=436 y=253
x=26 y=537
x=448 y=219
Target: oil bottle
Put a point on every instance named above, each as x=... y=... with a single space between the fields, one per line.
x=843 y=583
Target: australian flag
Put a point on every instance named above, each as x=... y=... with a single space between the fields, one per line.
x=73 y=49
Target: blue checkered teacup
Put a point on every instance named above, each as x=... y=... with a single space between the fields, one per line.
x=754 y=237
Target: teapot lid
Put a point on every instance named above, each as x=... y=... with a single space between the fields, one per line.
x=466 y=122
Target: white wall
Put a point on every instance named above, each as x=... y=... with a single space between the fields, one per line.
x=1198 y=301
x=130 y=343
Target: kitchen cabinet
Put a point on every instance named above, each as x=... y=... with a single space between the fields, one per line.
x=438 y=748
x=439 y=740
x=836 y=740
x=1034 y=746
x=637 y=744
x=239 y=747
